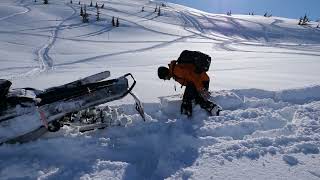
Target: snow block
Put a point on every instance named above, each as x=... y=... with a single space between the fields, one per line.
x=257 y=93
x=290 y=160
x=227 y=100
x=299 y=96
x=170 y=104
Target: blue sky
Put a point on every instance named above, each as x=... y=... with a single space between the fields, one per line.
x=283 y=8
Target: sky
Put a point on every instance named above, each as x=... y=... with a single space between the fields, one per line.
x=283 y=8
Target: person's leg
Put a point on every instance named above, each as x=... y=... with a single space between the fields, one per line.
x=207 y=105
x=189 y=95
x=210 y=107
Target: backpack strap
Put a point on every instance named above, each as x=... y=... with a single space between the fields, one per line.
x=173 y=66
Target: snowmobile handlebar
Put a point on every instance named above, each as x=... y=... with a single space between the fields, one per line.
x=134 y=81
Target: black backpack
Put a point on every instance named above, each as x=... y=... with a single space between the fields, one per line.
x=200 y=60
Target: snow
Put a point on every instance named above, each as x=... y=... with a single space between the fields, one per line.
x=264 y=74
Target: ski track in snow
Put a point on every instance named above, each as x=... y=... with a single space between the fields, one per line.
x=163 y=44
x=27 y=9
x=44 y=59
x=43 y=52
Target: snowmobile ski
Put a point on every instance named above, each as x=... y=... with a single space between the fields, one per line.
x=90 y=79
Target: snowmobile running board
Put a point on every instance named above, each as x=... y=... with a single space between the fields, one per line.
x=22 y=122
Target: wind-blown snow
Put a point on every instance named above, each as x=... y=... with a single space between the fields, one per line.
x=264 y=74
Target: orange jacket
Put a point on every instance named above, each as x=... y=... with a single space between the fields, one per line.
x=185 y=74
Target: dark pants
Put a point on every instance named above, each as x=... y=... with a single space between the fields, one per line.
x=191 y=94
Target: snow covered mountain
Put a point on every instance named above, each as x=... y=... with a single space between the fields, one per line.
x=264 y=74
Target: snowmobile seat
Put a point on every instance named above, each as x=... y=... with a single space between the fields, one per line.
x=4 y=88
x=23 y=101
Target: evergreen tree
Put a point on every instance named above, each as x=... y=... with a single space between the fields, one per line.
x=117 y=24
x=81 y=11
x=45 y=2
x=98 y=14
x=79 y=2
x=159 y=13
x=300 y=21
x=113 y=23
x=85 y=16
x=142 y=10
x=304 y=20
x=265 y=14
x=96 y=5
x=91 y=4
x=70 y=1
x=155 y=10
x=35 y=0
x=102 y=6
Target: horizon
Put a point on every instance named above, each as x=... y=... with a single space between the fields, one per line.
x=294 y=8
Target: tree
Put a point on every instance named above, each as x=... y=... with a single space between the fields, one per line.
x=300 y=21
x=70 y=1
x=155 y=9
x=159 y=11
x=113 y=23
x=267 y=14
x=102 y=6
x=229 y=13
x=45 y=2
x=85 y=16
x=91 y=4
x=81 y=11
x=96 y=5
x=303 y=21
x=79 y=2
x=98 y=14
x=142 y=10
x=117 y=24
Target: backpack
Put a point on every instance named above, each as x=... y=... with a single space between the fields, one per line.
x=200 y=60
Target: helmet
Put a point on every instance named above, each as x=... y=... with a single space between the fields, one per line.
x=163 y=72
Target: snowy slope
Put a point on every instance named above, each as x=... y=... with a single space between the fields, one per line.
x=264 y=74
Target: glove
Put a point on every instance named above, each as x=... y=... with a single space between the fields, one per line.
x=205 y=94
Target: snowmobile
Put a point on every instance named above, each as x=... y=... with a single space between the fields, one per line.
x=28 y=113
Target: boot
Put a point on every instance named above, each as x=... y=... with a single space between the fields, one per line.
x=211 y=108
x=216 y=110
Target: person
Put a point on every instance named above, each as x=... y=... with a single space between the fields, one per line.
x=197 y=86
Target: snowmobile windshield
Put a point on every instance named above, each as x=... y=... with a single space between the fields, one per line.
x=4 y=88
